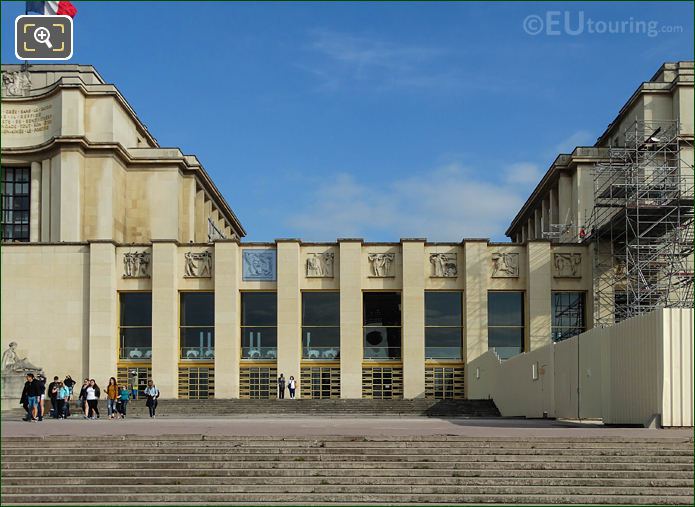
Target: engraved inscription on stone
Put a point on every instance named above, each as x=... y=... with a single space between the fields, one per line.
x=198 y=265
x=505 y=265
x=567 y=265
x=382 y=264
x=320 y=265
x=443 y=265
x=24 y=120
x=136 y=265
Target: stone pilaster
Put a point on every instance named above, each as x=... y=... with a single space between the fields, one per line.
x=165 y=318
x=103 y=311
x=289 y=311
x=350 y=318
x=538 y=295
x=227 y=311
x=413 y=301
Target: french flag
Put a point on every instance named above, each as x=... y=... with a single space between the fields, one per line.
x=52 y=8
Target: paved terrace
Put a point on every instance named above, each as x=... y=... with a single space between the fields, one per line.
x=332 y=426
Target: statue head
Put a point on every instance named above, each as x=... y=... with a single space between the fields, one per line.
x=13 y=345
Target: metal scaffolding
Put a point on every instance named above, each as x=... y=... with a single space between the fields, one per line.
x=641 y=225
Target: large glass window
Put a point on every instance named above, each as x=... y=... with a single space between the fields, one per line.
x=443 y=325
x=568 y=315
x=259 y=320
x=15 y=203
x=505 y=316
x=321 y=325
x=198 y=325
x=135 y=326
x=382 y=325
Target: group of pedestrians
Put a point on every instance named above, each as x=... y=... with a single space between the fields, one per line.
x=291 y=386
x=60 y=393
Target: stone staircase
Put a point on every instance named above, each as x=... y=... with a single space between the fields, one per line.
x=304 y=407
x=378 y=470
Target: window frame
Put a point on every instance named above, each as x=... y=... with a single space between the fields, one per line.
x=242 y=327
x=205 y=357
x=304 y=327
x=553 y=327
x=460 y=328
x=523 y=319
x=121 y=293
x=4 y=197
x=399 y=327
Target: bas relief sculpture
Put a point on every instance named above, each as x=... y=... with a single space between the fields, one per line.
x=567 y=265
x=198 y=265
x=505 y=265
x=320 y=265
x=136 y=265
x=259 y=265
x=382 y=264
x=13 y=364
x=443 y=265
x=16 y=84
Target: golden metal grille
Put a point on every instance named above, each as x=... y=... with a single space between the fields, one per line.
x=444 y=383
x=196 y=383
x=258 y=383
x=320 y=382
x=382 y=383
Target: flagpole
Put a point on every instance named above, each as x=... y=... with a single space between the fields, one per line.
x=25 y=67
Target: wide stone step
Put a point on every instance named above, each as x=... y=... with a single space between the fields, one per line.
x=100 y=481
x=25 y=474
x=367 y=464
x=323 y=498
x=106 y=452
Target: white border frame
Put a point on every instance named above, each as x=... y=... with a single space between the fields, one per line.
x=72 y=36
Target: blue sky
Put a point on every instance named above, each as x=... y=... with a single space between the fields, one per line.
x=374 y=120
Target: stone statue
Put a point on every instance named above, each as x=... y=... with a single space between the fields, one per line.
x=382 y=264
x=567 y=265
x=505 y=265
x=12 y=363
x=198 y=265
x=320 y=265
x=444 y=265
x=17 y=83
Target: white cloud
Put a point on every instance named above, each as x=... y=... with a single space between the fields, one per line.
x=445 y=204
x=345 y=59
x=525 y=173
x=578 y=138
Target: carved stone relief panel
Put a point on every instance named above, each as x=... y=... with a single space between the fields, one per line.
x=137 y=264
x=444 y=265
x=567 y=265
x=381 y=265
x=198 y=265
x=320 y=265
x=505 y=265
x=259 y=265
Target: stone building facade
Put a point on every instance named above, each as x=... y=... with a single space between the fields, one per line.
x=121 y=258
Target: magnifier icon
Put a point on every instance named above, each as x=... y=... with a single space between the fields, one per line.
x=43 y=36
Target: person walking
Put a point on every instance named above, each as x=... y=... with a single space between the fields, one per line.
x=61 y=400
x=53 y=389
x=281 y=386
x=83 y=398
x=292 y=386
x=33 y=391
x=42 y=395
x=123 y=399
x=93 y=393
x=152 y=394
x=112 y=394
